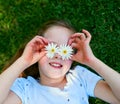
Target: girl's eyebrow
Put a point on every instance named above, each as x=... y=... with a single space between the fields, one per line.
x=53 y=42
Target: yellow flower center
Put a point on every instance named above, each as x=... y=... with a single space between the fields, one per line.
x=52 y=50
x=64 y=51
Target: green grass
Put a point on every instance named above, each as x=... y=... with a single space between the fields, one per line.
x=21 y=19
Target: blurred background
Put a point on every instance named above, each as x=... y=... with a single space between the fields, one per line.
x=21 y=19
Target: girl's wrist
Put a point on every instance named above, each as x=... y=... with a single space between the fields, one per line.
x=92 y=61
x=22 y=63
x=17 y=68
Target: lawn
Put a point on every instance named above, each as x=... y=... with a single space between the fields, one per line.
x=21 y=19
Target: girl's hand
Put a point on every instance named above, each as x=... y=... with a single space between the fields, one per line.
x=34 y=50
x=80 y=41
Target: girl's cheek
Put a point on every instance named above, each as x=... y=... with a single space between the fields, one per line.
x=69 y=62
x=43 y=59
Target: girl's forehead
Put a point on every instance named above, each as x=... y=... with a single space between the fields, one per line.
x=59 y=40
x=58 y=34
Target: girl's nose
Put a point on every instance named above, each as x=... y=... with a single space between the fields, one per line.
x=57 y=56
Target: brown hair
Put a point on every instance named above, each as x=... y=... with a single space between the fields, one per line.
x=33 y=69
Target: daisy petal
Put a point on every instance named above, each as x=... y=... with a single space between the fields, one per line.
x=51 y=50
x=65 y=51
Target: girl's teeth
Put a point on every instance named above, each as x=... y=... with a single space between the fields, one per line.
x=55 y=64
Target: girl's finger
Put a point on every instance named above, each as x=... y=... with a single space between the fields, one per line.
x=88 y=35
x=39 y=40
x=38 y=57
x=44 y=40
x=36 y=40
x=43 y=53
x=70 y=41
x=73 y=57
x=81 y=36
x=74 y=35
x=74 y=45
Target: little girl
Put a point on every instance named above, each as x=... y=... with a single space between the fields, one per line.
x=41 y=72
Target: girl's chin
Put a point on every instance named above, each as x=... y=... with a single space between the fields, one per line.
x=55 y=77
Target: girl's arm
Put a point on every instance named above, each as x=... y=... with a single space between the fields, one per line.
x=84 y=55
x=8 y=77
x=109 y=89
x=32 y=53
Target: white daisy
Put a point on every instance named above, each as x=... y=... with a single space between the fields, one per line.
x=65 y=51
x=51 y=50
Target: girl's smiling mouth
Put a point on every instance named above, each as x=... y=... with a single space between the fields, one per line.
x=55 y=65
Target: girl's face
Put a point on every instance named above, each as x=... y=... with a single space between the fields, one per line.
x=55 y=67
